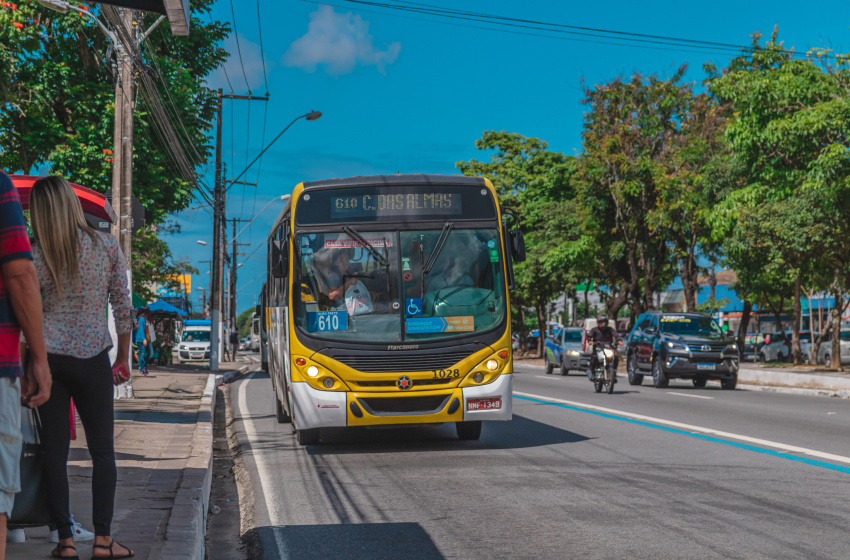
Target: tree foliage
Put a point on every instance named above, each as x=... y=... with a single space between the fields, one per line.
x=57 y=99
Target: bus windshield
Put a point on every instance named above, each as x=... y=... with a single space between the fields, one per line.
x=348 y=294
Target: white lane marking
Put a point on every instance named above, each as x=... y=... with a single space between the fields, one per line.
x=687 y=395
x=262 y=468
x=546 y=377
x=695 y=429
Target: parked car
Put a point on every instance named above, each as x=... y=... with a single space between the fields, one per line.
x=194 y=340
x=753 y=343
x=779 y=347
x=564 y=351
x=825 y=351
x=681 y=345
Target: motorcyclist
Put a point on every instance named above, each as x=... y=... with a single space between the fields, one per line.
x=605 y=335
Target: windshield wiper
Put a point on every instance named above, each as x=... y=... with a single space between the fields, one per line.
x=369 y=247
x=438 y=247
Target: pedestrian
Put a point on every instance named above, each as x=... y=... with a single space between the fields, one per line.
x=234 y=343
x=143 y=339
x=20 y=311
x=225 y=346
x=80 y=271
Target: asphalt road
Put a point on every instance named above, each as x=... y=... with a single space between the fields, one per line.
x=643 y=473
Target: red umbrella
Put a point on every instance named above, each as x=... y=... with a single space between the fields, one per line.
x=93 y=202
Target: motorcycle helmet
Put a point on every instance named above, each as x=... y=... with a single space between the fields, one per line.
x=602 y=320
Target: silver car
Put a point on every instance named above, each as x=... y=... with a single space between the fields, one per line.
x=564 y=351
x=825 y=351
x=779 y=349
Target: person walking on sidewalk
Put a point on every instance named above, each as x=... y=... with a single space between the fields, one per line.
x=20 y=311
x=80 y=271
x=142 y=339
x=234 y=343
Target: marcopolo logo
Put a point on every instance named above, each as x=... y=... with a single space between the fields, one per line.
x=402 y=347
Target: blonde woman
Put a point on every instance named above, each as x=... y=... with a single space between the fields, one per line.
x=80 y=271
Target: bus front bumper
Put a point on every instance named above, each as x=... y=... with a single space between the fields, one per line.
x=327 y=409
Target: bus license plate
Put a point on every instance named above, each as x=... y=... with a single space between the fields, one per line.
x=484 y=404
x=711 y=367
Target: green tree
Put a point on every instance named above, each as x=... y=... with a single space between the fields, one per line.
x=789 y=130
x=536 y=182
x=57 y=100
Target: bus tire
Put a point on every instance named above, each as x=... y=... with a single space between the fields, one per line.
x=308 y=437
x=468 y=430
x=279 y=413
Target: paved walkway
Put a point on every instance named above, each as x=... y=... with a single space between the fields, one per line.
x=163 y=440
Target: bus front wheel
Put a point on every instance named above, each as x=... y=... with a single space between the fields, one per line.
x=468 y=430
x=308 y=437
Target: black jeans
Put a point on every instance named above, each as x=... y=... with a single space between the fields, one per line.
x=89 y=383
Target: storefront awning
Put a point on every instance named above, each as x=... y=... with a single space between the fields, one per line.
x=93 y=202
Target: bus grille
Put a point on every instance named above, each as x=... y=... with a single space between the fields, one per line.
x=416 y=382
x=408 y=405
x=401 y=362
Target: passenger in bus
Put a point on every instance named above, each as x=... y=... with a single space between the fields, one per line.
x=344 y=289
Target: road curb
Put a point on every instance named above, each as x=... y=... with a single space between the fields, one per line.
x=229 y=376
x=843 y=394
x=186 y=528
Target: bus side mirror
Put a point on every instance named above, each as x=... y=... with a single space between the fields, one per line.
x=517 y=246
x=258 y=310
x=279 y=260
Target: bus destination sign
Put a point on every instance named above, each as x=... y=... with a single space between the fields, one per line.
x=402 y=204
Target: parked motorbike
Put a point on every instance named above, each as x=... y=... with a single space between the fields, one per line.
x=605 y=372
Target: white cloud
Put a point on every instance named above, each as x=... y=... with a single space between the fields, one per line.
x=338 y=42
x=251 y=58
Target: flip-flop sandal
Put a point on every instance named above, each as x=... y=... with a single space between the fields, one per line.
x=57 y=552
x=111 y=553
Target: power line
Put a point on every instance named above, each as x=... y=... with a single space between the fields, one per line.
x=262 y=53
x=690 y=46
x=238 y=48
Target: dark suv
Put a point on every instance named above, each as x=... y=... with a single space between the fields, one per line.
x=684 y=345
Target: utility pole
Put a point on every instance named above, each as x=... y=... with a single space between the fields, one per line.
x=233 y=267
x=215 y=295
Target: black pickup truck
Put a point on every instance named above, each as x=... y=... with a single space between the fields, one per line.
x=681 y=345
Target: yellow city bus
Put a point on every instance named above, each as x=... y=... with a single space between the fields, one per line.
x=387 y=304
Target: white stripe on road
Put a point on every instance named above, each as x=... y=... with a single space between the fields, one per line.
x=546 y=376
x=692 y=428
x=262 y=469
x=687 y=395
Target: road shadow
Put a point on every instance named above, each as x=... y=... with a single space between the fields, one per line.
x=519 y=433
x=362 y=541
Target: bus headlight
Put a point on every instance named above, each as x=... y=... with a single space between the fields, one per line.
x=328 y=382
x=312 y=371
x=478 y=377
x=492 y=365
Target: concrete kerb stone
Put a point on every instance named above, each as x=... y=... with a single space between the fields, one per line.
x=186 y=529
x=229 y=376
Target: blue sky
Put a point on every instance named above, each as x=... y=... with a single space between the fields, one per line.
x=412 y=96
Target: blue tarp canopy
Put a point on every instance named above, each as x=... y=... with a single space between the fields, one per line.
x=164 y=308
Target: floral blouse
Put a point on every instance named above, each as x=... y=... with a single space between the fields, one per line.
x=77 y=324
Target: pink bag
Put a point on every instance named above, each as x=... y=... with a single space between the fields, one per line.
x=73 y=421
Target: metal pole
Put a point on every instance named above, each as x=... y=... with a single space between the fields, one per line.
x=233 y=281
x=126 y=210
x=214 y=291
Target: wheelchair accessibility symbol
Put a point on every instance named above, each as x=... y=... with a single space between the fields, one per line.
x=413 y=306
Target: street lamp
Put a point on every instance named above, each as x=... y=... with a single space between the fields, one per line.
x=281 y=197
x=201 y=242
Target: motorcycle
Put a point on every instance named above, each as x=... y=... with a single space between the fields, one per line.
x=605 y=372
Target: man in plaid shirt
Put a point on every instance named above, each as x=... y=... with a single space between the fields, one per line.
x=20 y=310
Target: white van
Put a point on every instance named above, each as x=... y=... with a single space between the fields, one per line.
x=194 y=342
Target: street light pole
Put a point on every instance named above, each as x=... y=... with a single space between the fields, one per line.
x=266 y=207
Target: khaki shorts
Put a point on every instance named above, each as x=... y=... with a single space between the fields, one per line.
x=10 y=443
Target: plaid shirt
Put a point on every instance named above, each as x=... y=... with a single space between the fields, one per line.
x=14 y=244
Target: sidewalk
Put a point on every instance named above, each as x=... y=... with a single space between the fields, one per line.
x=163 y=447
